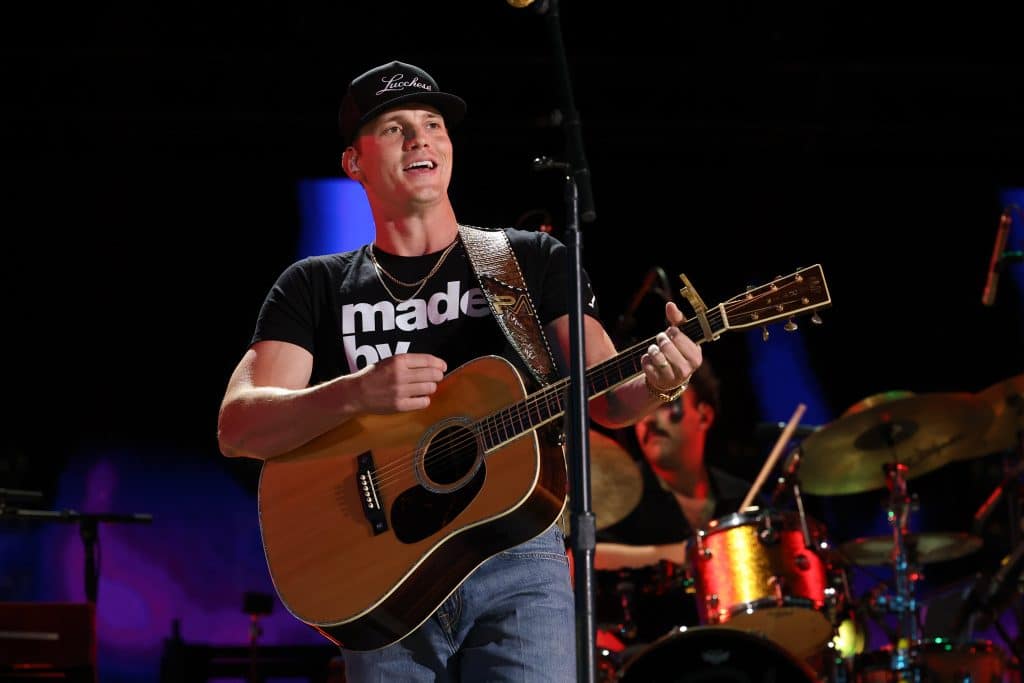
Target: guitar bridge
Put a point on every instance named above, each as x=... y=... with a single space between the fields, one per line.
x=366 y=481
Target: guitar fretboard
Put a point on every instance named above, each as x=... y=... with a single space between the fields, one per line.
x=549 y=403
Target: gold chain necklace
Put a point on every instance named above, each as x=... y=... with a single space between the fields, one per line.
x=419 y=284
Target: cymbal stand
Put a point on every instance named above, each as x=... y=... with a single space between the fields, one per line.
x=789 y=480
x=987 y=590
x=904 y=664
x=1012 y=469
x=1016 y=543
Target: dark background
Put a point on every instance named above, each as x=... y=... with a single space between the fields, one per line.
x=152 y=153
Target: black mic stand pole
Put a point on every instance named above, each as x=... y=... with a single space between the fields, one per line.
x=584 y=528
x=579 y=203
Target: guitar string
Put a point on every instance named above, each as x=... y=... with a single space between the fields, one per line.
x=509 y=416
x=516 y=417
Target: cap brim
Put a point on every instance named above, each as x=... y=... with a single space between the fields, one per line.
x=452 y=108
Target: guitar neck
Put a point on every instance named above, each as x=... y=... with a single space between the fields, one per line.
x=549 y=403
x=783 y=297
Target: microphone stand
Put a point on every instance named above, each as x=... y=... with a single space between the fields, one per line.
x=584 y=531
x=88 y=525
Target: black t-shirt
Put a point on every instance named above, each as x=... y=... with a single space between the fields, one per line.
x=335 y=307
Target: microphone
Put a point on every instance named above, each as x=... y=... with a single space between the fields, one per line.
x=988 y=296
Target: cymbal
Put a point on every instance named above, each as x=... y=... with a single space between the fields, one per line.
x=922 y=432
x=1006 y=399
x=616 y=483
x=921 y=548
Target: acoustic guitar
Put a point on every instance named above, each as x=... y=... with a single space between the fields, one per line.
x=368 y=528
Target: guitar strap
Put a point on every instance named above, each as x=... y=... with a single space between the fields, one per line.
x=501 y=280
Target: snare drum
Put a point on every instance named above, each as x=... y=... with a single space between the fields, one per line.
x=753 y=571
x=714 y=654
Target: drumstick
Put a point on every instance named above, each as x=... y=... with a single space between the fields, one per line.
x=776 y=452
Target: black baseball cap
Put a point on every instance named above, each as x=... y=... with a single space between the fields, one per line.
x=388 y=86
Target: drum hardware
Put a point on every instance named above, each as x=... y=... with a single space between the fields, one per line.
x=909 y=658
x=904 y=665
x=766 y=533
x=993 y=593
x=787 y=481
x=773 y=456
x=903 y=604
x=790 y=482
x=1006 y=435
x=626 y=590
x=989 y=597
x=942 y=660
x=1011 y=472
x=902 y=657
x=889 y=439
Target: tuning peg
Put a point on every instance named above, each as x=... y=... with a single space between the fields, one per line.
x=790 y=326
x=816 y=319
x=764 y=333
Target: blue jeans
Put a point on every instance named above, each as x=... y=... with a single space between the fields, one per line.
x=512 y=620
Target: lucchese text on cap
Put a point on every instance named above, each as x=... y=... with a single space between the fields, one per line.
x=395 y=82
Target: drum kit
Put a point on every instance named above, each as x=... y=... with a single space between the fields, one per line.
x=773 y=594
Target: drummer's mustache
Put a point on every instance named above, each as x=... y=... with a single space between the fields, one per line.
x=654 y=430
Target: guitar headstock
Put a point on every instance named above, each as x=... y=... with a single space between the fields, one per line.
x=784 y=297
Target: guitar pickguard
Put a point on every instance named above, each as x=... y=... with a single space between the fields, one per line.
x=418 y=513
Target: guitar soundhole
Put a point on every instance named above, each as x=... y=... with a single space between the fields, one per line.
x=455 y=479
x=451 y=455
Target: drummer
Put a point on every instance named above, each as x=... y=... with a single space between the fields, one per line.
x=639 y=560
